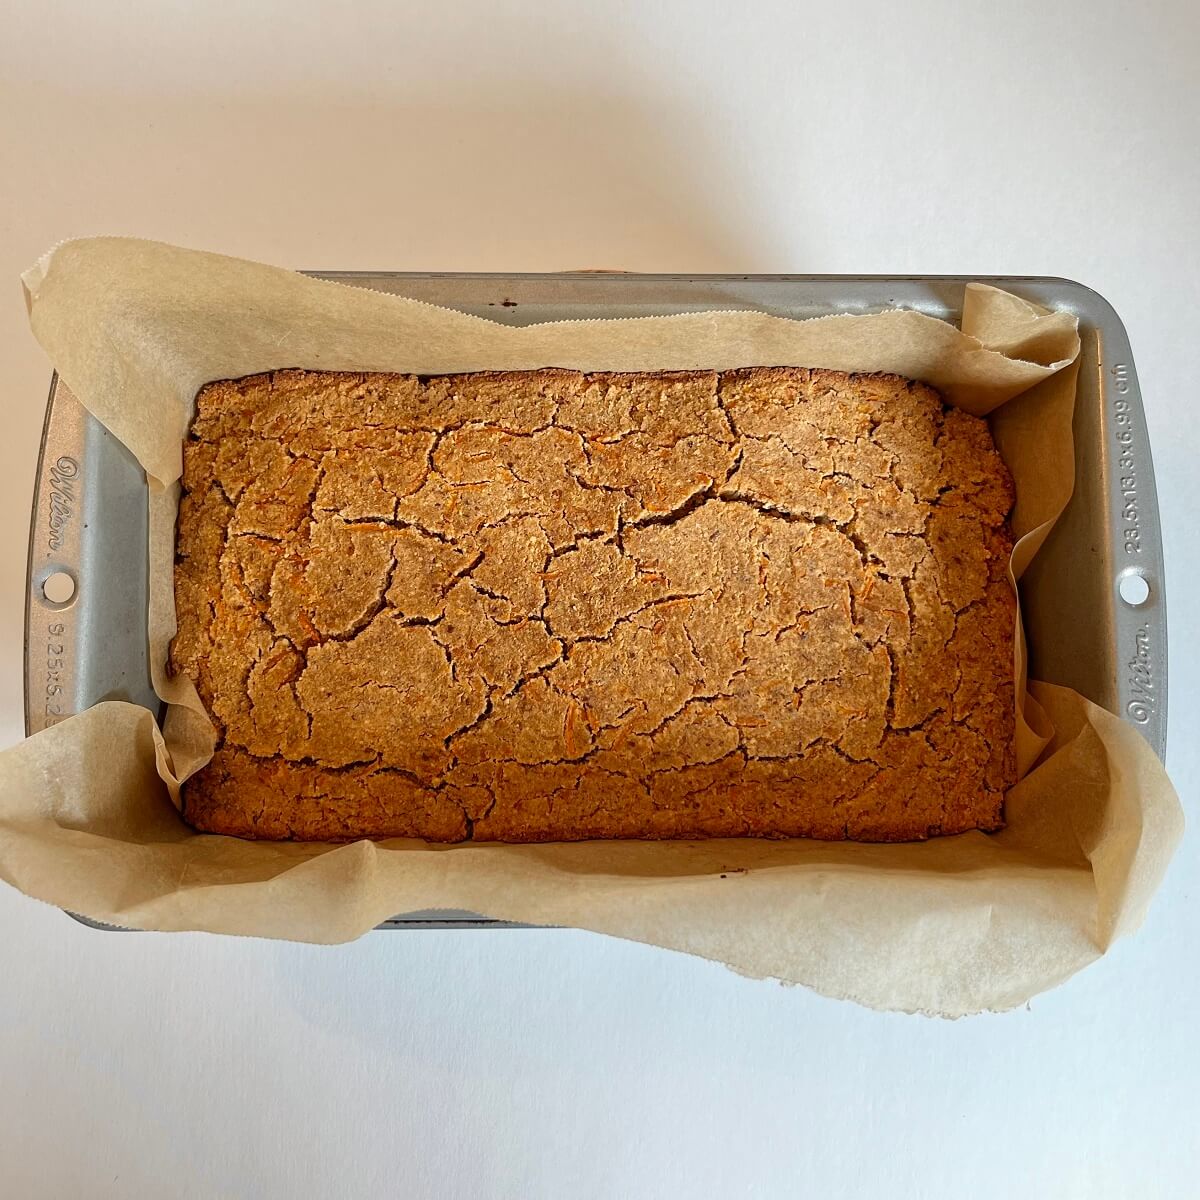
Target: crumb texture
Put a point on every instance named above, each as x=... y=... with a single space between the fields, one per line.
x=535 y=606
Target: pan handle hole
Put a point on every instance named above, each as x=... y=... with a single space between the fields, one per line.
x=58 y=587
x=1133 y=589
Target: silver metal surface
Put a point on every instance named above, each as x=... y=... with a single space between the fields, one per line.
x=89 y=513
x=89 y=521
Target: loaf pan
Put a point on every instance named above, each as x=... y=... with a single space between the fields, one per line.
x=1093 y=600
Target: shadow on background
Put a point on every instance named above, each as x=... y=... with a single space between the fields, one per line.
x=518 y=177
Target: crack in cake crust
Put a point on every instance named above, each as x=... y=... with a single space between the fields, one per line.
x=548 y=606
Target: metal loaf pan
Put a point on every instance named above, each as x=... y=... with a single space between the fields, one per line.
x=89 y=505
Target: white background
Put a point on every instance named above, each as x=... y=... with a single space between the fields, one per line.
x=841 y=137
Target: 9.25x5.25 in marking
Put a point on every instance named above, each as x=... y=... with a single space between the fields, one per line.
x=55 y=665
x=1126 y=461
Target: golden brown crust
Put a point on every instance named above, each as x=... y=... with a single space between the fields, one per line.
x=535 y=606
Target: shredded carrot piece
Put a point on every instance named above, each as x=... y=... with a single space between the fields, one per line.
x=278 y=656
x=571 y=730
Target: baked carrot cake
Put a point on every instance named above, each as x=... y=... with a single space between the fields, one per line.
x=543 y=605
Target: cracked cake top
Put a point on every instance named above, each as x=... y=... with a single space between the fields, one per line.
x=545 y=605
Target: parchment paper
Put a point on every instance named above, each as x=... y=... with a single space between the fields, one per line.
x=951 y=926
